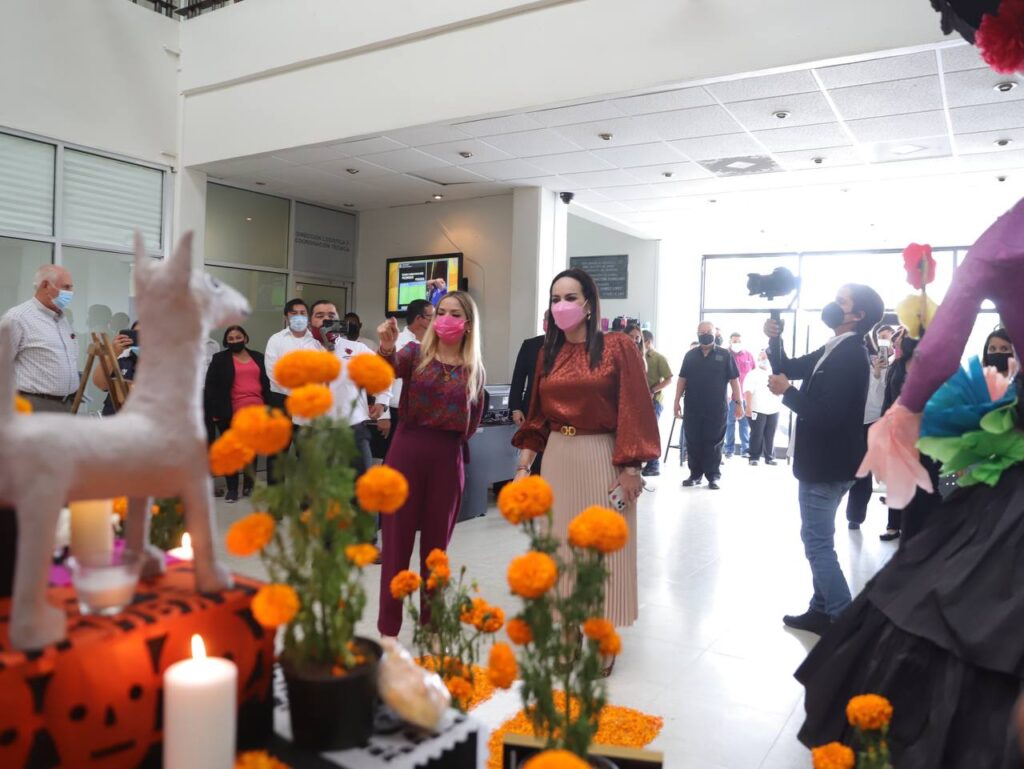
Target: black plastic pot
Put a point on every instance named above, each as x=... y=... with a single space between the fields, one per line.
x=333 y=712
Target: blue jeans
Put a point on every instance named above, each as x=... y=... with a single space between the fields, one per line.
x=655 y=464
x=730 y=430
x=818 y=505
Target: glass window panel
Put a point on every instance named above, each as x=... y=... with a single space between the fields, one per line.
x=725 y=281
x=245 y=227
x=266 y=294
x=26 y=185
x=106 y=201
x=19 y=260
x=822 y=274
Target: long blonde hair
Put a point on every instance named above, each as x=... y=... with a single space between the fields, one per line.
x=472 y=361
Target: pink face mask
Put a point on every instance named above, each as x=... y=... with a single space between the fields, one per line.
x=449 y=328
x=567 y=315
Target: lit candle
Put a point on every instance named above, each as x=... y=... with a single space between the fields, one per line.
x=183 y=553
x=200 y=711
x=92 y=536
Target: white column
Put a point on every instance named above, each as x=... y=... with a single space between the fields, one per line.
x=190 y=210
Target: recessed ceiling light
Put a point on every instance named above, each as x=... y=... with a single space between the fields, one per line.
x=1002 y=142
x=667 y=174
x=349 y=205
x=712 y=200
x=248 y=218
x=1005 y=87
x=438 y=197
x=465 y=154
x=906 y=149
x=781 y=114
x=605 y=137
x=818 y=160
x=352 y=170
x=260 y=184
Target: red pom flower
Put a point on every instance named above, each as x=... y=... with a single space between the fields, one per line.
x=919 y=263
x=1000 y=38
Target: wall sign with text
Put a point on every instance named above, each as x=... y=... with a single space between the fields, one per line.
x=610 y=273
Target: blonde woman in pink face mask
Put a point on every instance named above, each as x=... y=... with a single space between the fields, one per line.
x=590 y=414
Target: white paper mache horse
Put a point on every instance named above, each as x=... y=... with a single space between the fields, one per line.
x=154 y=447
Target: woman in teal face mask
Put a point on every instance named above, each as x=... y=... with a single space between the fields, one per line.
x=127 y=350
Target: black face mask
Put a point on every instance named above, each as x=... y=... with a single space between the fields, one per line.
x=1001 y=360
x=718 y=341
x=236 y=346
x=352 y=331
x=832 y=315
x=706 y=339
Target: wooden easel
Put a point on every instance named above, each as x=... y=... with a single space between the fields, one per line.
x=103 y=349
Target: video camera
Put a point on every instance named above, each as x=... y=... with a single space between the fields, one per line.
x=778 y=282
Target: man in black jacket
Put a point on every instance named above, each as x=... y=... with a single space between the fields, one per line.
x=521 y=390
x=829 y=438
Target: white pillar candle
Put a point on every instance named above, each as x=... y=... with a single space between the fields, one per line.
x=92 y=536
x=183 y=553
x=200 y=711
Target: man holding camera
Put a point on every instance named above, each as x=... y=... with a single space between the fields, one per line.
x=828 y=444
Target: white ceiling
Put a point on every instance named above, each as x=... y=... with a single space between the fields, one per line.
x=894 y=117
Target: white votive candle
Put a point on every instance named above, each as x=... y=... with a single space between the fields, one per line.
x=105 y=590
x=183 y=553
x=200 y=711
x=92 y=536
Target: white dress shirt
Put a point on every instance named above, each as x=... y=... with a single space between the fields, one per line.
x=284 y=341
x=394 y=397
x=760 y=399
x=45 y=349
x=350 y=402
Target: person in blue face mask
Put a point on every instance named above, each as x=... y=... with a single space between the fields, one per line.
x=45 y=348
x=294 y=336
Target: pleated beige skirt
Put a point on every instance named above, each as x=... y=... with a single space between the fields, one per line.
x=580 y=472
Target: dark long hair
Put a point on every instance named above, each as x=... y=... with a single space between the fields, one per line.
x=999 y=333
x=555 y=337
x=229 y=329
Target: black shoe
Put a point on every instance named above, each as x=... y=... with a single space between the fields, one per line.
x=713 y=485
x=753 y=462
x=692 y=482
x=217 y=492
x=854 y=526
x=246 y=491
x=231 y=497
x=649 y=471
x=770 y=462
x=812 y=621
x=890 y=535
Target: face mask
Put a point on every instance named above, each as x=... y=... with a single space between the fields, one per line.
x=134 y=349
x=63 y=299
x=832 y=315
x=448 y=328
x=1001 y=360
x=718 y=341
x=567 y=315
x=735 y=347
x=236 y=346
x=298 y=323
x=765 y=364
x=352 y=331
x=706 y=339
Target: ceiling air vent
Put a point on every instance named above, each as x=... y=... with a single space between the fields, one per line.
x=741 y=166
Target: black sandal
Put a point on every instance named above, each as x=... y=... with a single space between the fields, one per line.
x=890 y=535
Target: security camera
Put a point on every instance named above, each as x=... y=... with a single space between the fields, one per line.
x=567 y=197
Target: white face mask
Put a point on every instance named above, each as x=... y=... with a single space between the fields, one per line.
x=765 y=364
x=735 y=347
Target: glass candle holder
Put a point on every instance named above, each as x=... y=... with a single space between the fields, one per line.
x=105 y=585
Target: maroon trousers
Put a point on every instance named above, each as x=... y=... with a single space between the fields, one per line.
x=432 y=462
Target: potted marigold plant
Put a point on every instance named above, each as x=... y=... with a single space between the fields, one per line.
x=314 y=535
x=455 y=624
x=561 y=632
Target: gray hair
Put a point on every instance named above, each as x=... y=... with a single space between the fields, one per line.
x=48 y=272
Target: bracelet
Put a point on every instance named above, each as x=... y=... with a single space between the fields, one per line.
x=385 y=353
x=527 y=468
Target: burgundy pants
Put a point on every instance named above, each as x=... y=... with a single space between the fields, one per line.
x=432 y=462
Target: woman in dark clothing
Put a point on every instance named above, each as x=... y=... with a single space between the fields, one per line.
x=236 y=378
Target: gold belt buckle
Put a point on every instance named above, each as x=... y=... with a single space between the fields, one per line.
x=568 y=430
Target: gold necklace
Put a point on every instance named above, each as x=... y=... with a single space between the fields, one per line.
x=447 y=372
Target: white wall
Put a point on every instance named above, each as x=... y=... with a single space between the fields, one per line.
x=587 y=238
x=481 y=229
x=91 y=72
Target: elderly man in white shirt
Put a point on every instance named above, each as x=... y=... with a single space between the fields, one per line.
x=45 y=348
x=418 y=316
x=295 y=336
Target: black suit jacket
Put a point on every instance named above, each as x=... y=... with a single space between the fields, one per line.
x=522 y=375
x=220 y=377
x=829 y=408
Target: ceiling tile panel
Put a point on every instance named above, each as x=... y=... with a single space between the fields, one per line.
x=896 y=127
x=341 y=168
x=833 y=157
x=499 y=125
x=724 y=146
x=978 y=86
x=894 y=97
x=503 y=170
x=623 y=130
x=527 y=144
x=985 y=141
x=578 y=113
x=879 y=70
x=995 y=161
x=598 y=179
x=429 y=134
x=552 y=182
x=571 y=162
x=678 y=171
x=961 y=57
x=307 y=155
x=803 y=109
x=368 y=146
x=640 y=155
x=449 y=152
x=664 y=101
x=765 y=86
x=803 y=137
x=630 y=192
x=690 y=123
x=451 y=175
x=405 y=160
x=987 y=117
x=916 y=149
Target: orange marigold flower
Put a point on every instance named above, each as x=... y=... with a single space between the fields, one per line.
x=258 y=759
x=436 y=558
x=275 y=605
x=309 y=401
x=525 y=499
x=598 y=628
x=532 y=574
x=303 y=367
x=22 y=405
x=371 y=372
x=835 y=755
x=610 y=645
x=469 y=610
x=154 y=509
x=250 y=534
x=265 y=432
x=501 y=666
x=598 y=528
x=460 y=689
x=120 y=507
x=361 y=555
x=489 y=619
x=405 y=583
x=439 y=577
x=228 y=454
x=382 y=489
x=556 y=759
x=869 y=712
x=519 y=631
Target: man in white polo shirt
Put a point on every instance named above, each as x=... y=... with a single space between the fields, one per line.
x=295 y=336
x=45 y=348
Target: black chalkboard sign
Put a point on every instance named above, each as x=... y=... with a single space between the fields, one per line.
x=611 y=273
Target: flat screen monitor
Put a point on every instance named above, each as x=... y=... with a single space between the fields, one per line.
x=421 y=277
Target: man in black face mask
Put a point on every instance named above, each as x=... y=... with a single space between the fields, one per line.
x=998 y=351
x=353 y=328
x=829 y=443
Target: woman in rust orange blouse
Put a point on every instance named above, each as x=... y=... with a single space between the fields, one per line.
x=590 y=413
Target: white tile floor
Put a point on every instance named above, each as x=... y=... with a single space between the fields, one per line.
x=717 y=572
